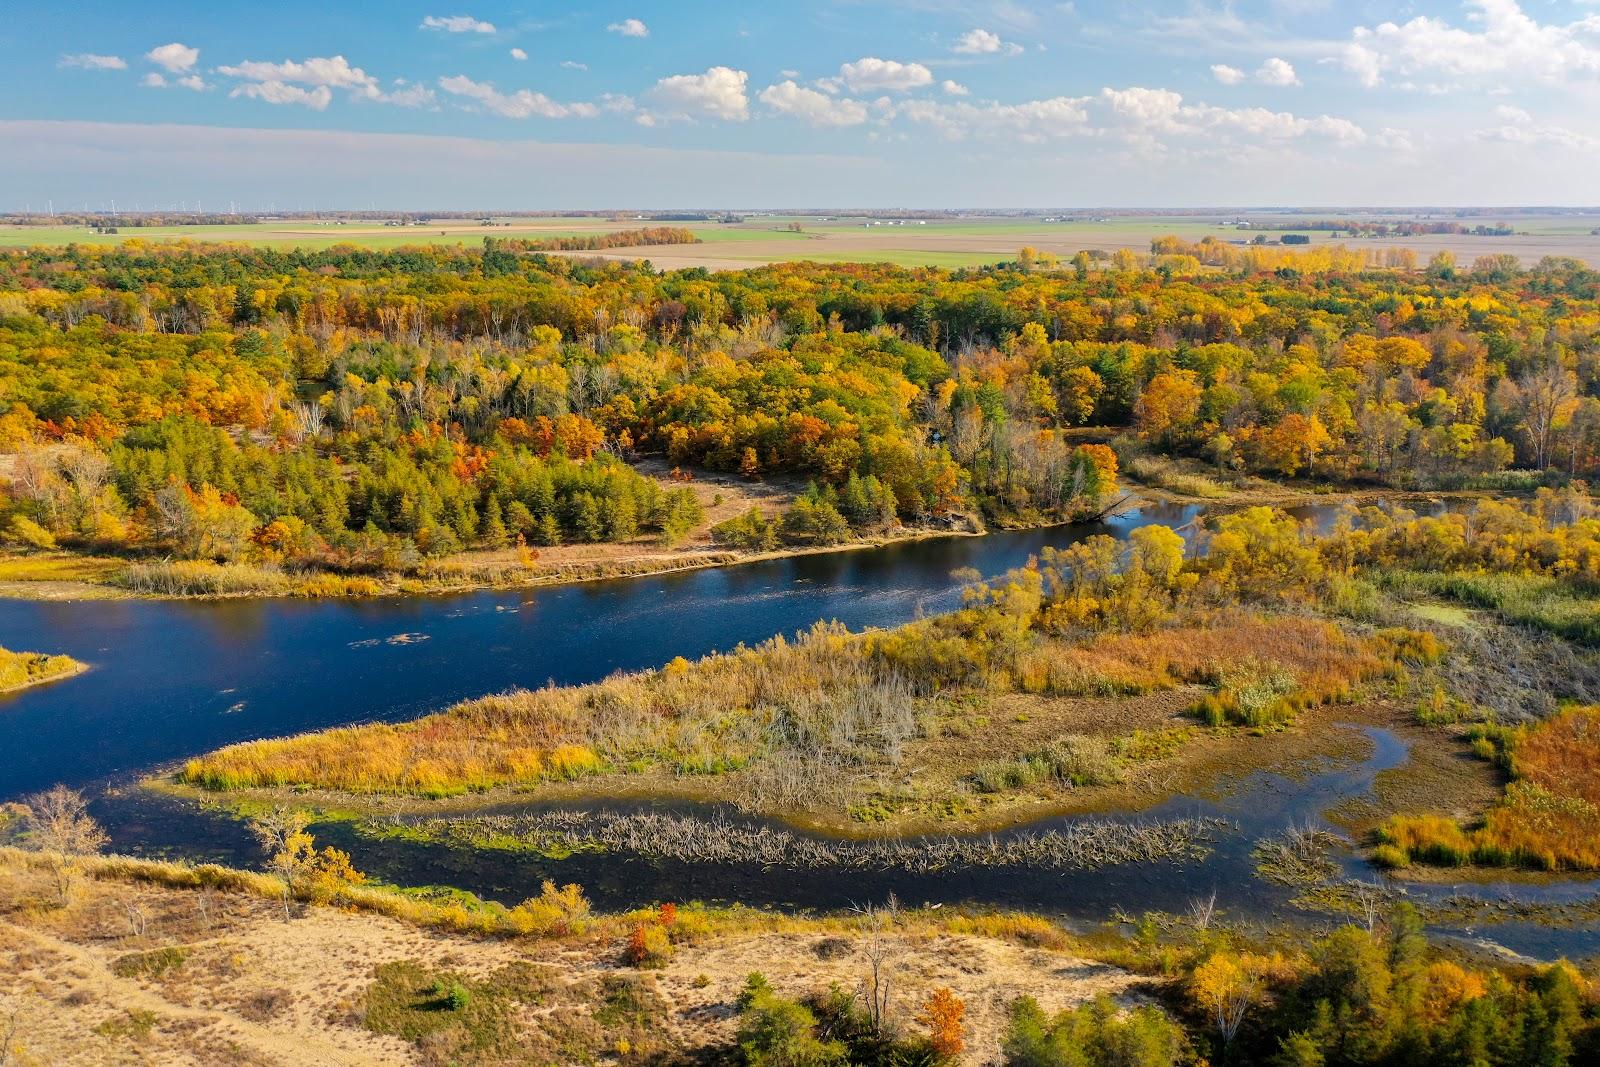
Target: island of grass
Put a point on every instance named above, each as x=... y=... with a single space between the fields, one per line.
x=19 y=670
x=1091 y=680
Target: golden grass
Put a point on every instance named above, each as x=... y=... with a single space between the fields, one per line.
x=21 y=669
x=1319 y=654
x=57 y=567
x=1548 y=817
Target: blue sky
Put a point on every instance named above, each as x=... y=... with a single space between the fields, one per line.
x=839 y=102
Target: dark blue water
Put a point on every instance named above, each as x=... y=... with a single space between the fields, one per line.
x=171 y=679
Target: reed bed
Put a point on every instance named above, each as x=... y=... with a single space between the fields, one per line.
x=1085 y=845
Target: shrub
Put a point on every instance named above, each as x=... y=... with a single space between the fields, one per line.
x=648 y=946
x=29 y=533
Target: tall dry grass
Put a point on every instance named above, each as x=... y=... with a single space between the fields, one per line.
x=1549 y=817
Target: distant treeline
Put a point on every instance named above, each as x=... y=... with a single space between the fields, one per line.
x=1399 y=228
x=594 y=242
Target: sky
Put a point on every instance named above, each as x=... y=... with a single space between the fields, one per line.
x=391 y=104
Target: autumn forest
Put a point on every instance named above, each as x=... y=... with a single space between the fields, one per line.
x=1263 y=727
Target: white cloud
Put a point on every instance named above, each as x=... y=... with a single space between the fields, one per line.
x=1505 y=43
x=333 y=72
x=719 y=93
x=90 y=61
x=456 y=24
x=318 y=73
x=1553 y=136
x=410 y=94
x=277 y=92
x=175 y=57
x=156 y=80
x=519 y=55
x=1507 y=113
x=871 y=73
x=1227 y=75
x=1137 y=116
x=808 y=105
x=1279 y=72
x=522 y=104
x=1032 y=121
x=572 y=64
x=954 y=88
x=984 y=43
x=1147 y=114
x=630 y=28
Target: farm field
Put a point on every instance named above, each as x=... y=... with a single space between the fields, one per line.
x=952 y=243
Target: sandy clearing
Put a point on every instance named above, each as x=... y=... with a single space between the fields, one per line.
x=986 y=974
x=254 y=989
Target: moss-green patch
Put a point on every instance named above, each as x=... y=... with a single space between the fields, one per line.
x=151 y=964
x=1444 y=614
x=521 y=1013
x=134 y=1024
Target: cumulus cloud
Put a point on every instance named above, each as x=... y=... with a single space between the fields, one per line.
x=630 y=28
x=277 y=92
x=319 y=72
x=1279 y=72
x=522 y=104
x=410 y=94
x=1227 y=75
x=518 y=54
x=808 y=105
x=176 y=58
x=1505 y=43
x=953 y=88
x=90 y=61
x=456 y=24
x=157 y=80
x=1146 y=114
x=719 y=93
x=572 y=64
x=311 y=83
x=870 y=74
x=984 y=43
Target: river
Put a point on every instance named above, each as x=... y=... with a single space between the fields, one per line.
x=170 y=679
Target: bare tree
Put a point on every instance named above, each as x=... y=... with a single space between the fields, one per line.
x=309 y=417
x=1545 y=394
x=1203 y=910
x=1368 y=899
x=138 y=921
x=880 y=949
x=1232 y=1004
x=58 y=824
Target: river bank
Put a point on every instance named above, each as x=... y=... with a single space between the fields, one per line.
x=61 y=576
